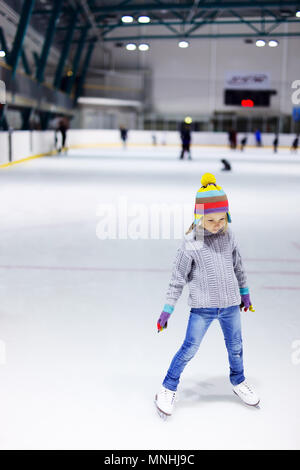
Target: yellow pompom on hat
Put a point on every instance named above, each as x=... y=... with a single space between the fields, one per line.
x=210 y=198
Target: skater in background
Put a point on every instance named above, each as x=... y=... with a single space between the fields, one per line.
x=154 y=140
x=258 y=138
x=218 y=289
x=275 y=143
x=232 y=136
x=123 y=135
x=62 y=127
x=227 y=166
x=243 y=143
x=295 y=143
x=185 y=135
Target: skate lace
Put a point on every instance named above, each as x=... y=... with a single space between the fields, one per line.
x=247 y=386
x=169 y=396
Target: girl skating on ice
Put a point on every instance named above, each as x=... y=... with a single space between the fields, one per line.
x=210 y=262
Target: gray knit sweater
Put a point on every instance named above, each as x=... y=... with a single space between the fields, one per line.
x=212 y=267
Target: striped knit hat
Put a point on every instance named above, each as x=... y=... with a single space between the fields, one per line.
x=212 y=197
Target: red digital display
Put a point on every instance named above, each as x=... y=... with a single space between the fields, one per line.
x=247 y=103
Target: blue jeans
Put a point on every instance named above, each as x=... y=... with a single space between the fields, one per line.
x=199 y=321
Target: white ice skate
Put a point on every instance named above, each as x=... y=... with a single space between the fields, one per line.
x=246 y=393
x=164 y=401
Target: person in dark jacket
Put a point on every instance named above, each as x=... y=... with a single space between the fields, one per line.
x=185 y=135
x=232 y=139
x=275 y=143
x=243 y=143
x=294 y=146
x=63 y=126
x=124 y=135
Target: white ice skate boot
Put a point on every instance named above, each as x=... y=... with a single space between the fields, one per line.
x=246 y=393
x=164 y=401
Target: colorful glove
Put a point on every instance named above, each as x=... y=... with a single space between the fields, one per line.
x=162 y=322
x=245 y=300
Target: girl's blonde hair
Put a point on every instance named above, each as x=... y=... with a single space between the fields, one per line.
x=201 y=224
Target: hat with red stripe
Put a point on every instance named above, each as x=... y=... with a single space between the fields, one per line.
x=210 y=198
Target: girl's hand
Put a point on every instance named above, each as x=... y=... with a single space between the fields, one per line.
x=162 y=322
x=246 y=303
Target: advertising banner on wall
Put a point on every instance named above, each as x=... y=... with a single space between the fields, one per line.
x=249 y=80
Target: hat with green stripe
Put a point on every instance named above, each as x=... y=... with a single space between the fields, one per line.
x=210 y=198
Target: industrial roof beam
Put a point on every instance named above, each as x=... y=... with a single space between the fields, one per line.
x=202 y=36
x=193 y=10
x=77 y=57
x=65 y=50
x=3 y=43
x=175 y=13
x=84 y=69
x=16 y=51
x=164 y=22
x=242 y=20
x=168 y=26
x=236 y=5
x=48 y=40
x=276 y=24
x=179 y=23
x=207 y=20
x=25 y=62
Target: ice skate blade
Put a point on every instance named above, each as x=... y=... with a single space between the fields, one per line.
x=256 y=405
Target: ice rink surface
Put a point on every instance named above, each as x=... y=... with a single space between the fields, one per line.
x=80 y=356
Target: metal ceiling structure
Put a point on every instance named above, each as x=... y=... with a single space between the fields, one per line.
x=72 y=25
x=72 y=28
x=181 y=18
x=187 y=19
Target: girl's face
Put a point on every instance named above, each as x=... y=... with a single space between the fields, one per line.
x=215 y=221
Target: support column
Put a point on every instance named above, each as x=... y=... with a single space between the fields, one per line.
x=48 y=40
x=84 y=69
x=65 y=51
x=16 y=51
x=25 y=63
x=76 y=60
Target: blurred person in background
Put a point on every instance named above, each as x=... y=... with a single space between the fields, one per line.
x=295 y=143
x=258 y=138
x=123 y=135
x=243 y=143
x=185 y=135
x=275 y=143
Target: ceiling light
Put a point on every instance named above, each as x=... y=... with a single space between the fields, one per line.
x=183 y=44
x=298 y=14
x=273 y=43
x=131 y=47
x=2 y=54
x=143 y=19
x=144 y=47
x=127 y=19
x=260 y=43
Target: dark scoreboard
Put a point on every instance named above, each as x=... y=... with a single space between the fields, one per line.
x=251 y=98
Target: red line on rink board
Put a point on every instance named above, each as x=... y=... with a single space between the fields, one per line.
x=95 y=268
x=83 y=268
x=272 y=260
x=281 y=288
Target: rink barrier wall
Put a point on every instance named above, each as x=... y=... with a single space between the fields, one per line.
x=20 y=146
x=90 y=137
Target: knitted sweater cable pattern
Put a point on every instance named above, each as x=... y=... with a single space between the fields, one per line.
x=213 y=270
